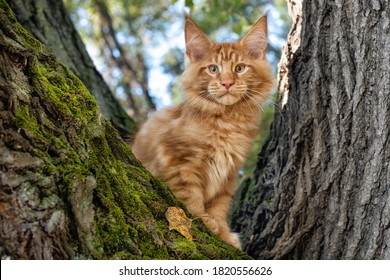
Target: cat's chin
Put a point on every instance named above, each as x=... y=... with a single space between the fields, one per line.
x=227 y=99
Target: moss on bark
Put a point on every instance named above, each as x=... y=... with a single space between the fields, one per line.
x=99 y=201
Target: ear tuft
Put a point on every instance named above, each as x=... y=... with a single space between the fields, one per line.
x=197 y=43
x=255 y=41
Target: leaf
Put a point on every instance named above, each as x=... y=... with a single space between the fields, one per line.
x=179 y=221
x=189 y=4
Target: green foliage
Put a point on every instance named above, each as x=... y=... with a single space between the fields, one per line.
x=282 y=8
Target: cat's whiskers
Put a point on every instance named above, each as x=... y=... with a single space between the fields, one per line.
x=269 y=101
x=190 y=111
x=276 y=106
x=205 y=95
x=249 y=104
x=248 y=94
x=257 y=91
x=267 y=81
x=256 y=81
x=194 y=110
x=273 y=103
x=193 y=113
x=196 y=105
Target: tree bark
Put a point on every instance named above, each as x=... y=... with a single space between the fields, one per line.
x=321 y=188
x=70 y=188
x=48 y=21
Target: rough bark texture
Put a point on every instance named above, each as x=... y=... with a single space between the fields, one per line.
x=48 y=21
x=321 y=188
x=69 y=186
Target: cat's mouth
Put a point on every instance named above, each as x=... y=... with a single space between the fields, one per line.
x=227 y=97
x=224 y=94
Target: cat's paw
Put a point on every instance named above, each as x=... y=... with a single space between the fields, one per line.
x=231 y=238
x=211 y=223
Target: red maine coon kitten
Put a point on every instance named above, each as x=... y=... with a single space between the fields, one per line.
x=197 y=147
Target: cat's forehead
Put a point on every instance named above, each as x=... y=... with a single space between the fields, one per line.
x=226 y=52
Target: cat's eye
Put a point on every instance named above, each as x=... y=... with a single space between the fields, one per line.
x=213 y=69
x=240 y=68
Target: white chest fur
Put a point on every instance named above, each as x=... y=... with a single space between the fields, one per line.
x=224 y=160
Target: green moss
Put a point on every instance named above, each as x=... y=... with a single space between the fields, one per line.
x=113 y=231
x=270 y=201
x=7 y=10
x=185 y=249
x=24 y=119
x=30 y=42
x=211 y=246
x=65 y=91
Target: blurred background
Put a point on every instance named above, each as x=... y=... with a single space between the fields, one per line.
x=138 y=46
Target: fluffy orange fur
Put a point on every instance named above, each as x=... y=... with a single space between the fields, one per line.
x=198 y=146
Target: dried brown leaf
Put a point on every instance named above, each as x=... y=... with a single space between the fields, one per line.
x=179 y=221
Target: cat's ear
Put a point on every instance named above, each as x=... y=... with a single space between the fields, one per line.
x=255 y=41
x=197 y=43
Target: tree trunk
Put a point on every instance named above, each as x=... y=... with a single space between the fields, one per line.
x=48 y=21
x=321 y=188
x=70 y=188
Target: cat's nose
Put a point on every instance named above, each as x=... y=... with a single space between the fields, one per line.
x=227 y=84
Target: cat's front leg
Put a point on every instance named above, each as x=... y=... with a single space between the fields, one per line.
x=218 y=208
x=192 y=196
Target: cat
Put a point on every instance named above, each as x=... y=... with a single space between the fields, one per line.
x=197 y=147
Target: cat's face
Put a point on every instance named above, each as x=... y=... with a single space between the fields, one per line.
x=230 y=74
x=227 y=73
